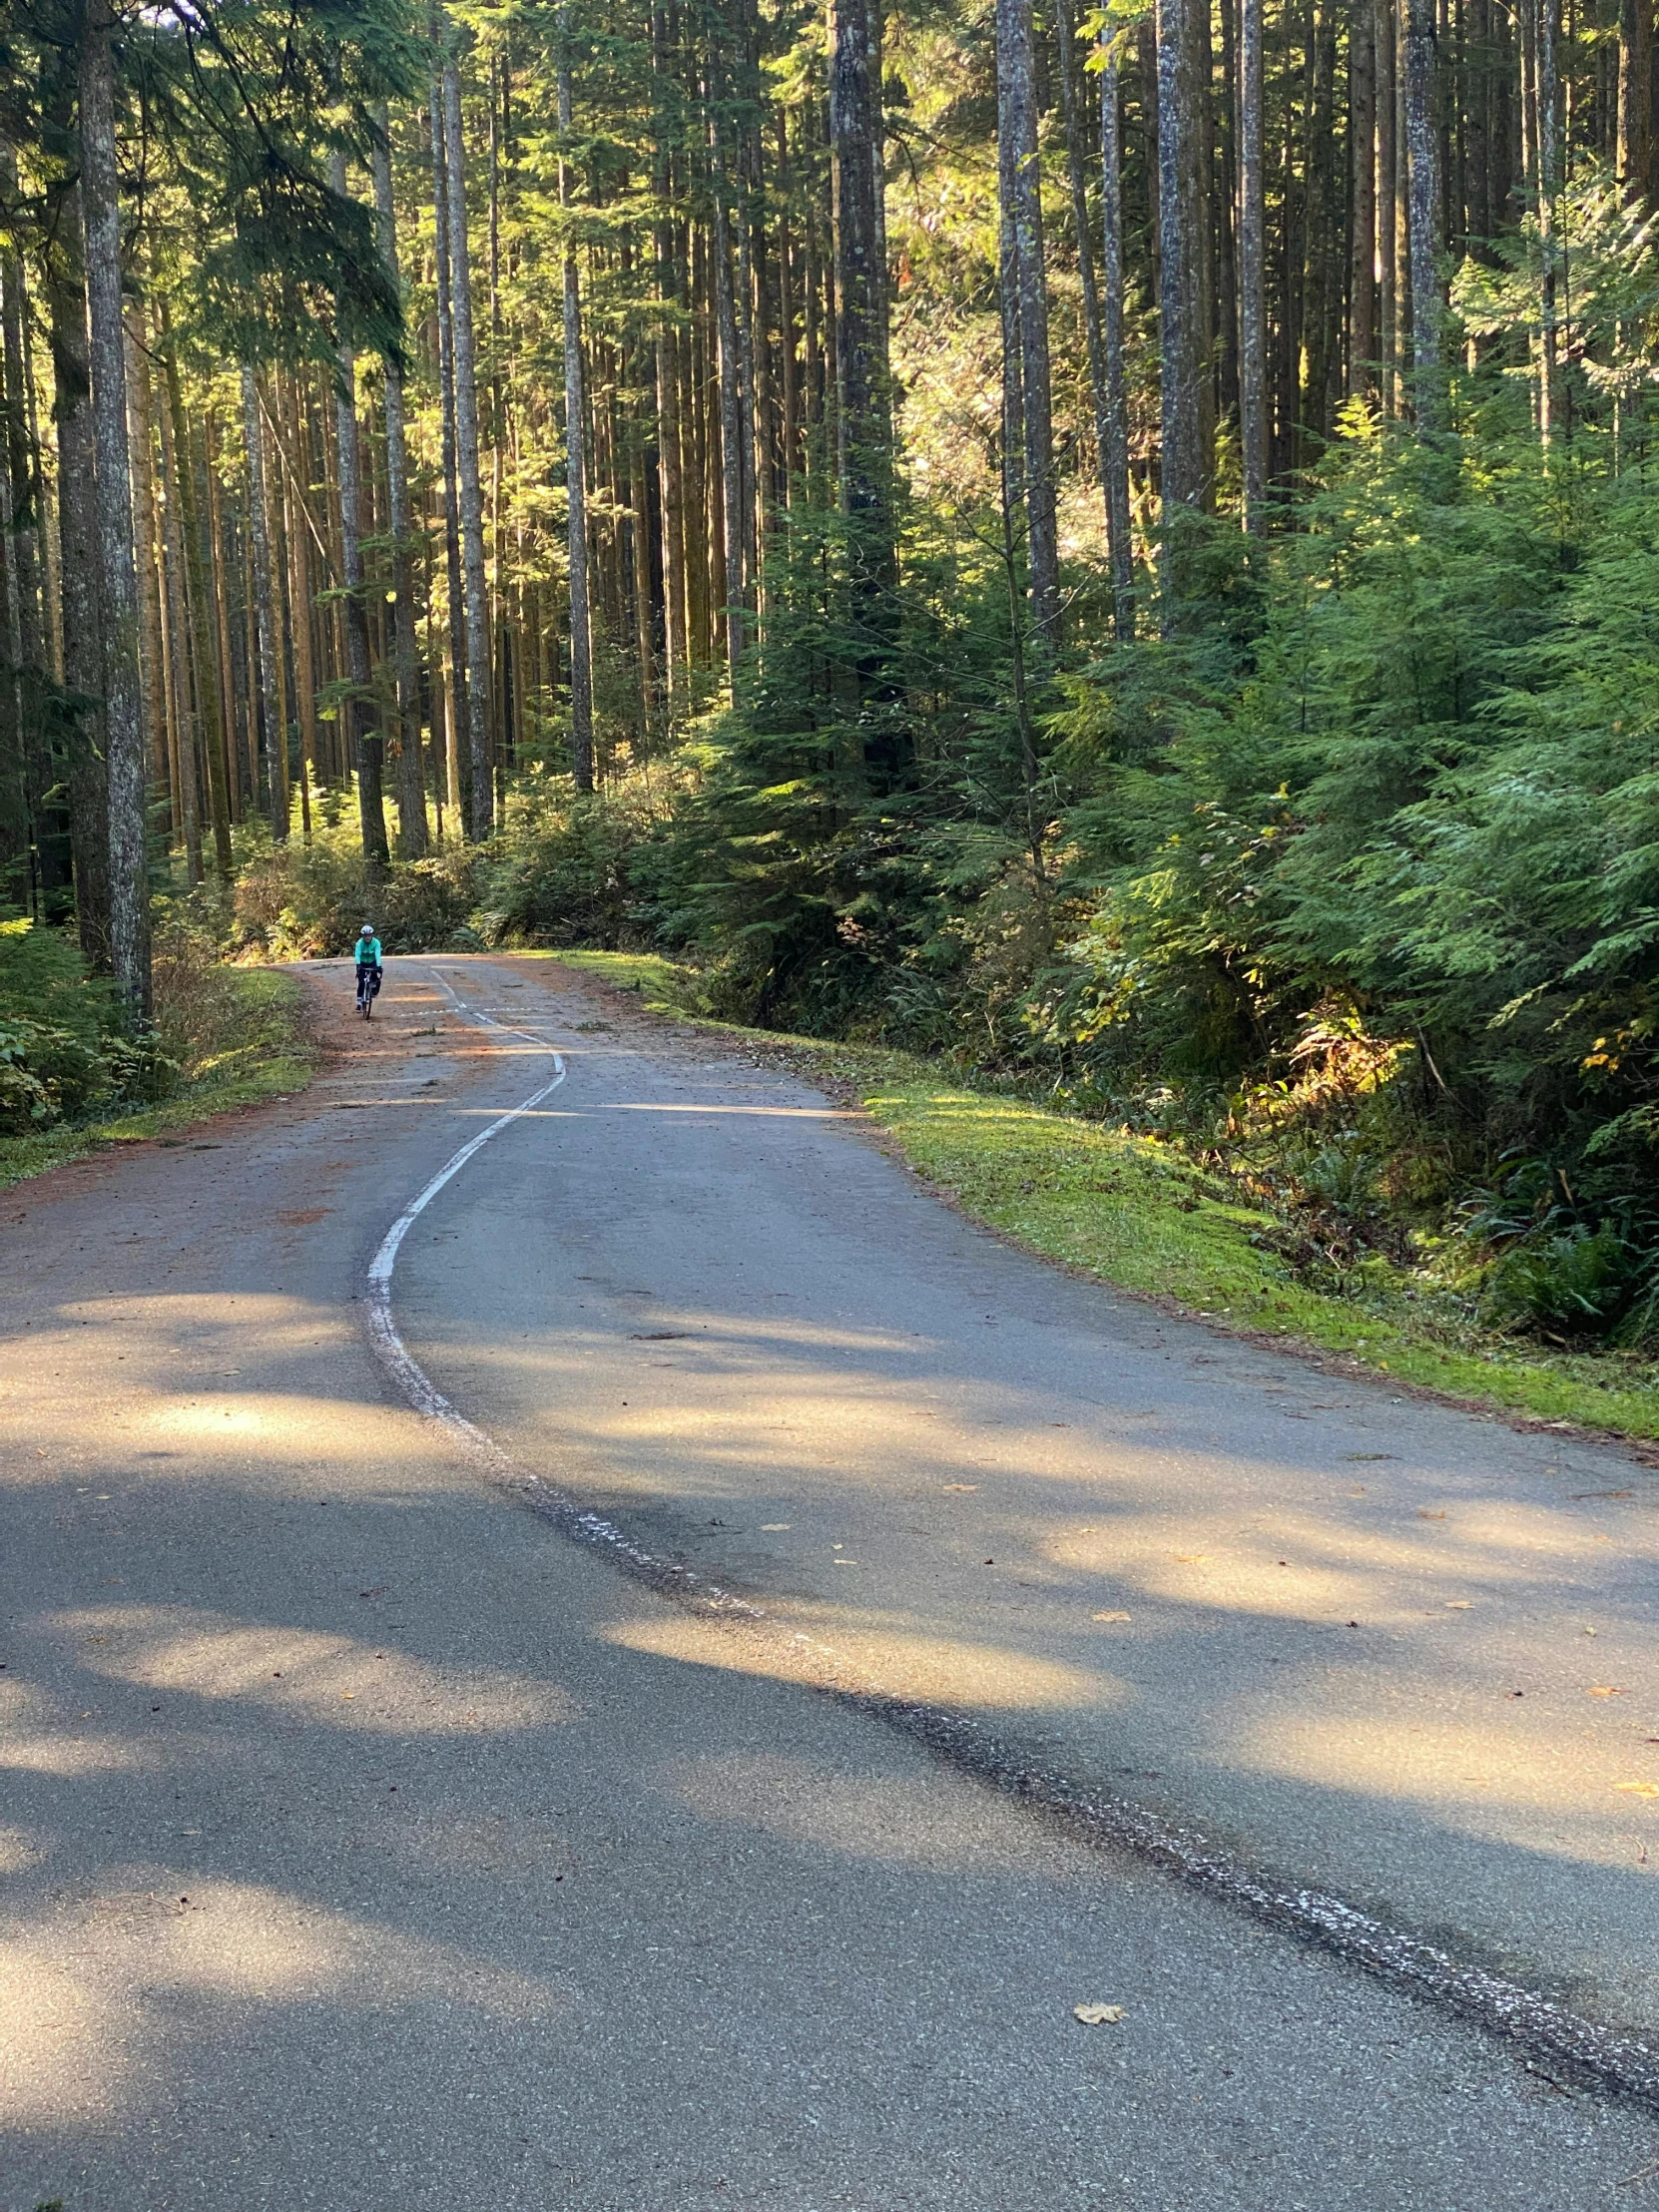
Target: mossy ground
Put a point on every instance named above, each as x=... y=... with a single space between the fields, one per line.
x=262 y=1050
x=1135 y=1211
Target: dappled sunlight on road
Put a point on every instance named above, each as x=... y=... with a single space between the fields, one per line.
x=247 y=1940
x=98 y=2005
x=1476 y=1775
x=61 y=2043
x=174 y=1389
x=68 y=1755
x=1309 y=1566
x=273 y=1420
x=39 y=1735
x=334 y=1679
x=1202 y=1587
x=20 y=1850
x=868 y=1816
x=895 y=1661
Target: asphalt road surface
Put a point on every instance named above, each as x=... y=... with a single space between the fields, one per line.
x=369 y=1844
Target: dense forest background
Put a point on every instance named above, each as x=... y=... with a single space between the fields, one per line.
x=1120 y=548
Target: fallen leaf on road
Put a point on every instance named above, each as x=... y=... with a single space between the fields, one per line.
x=1601 y=1493
x=774 y=1527
x=1100 y=2015
x=1368 y=1454
x=1605 y=1689
x=1111 y=1616
x=1423 y=1513
x=958 y=1485
x=1192 y=1558
x=1459 y=1604
x=1639 y=1788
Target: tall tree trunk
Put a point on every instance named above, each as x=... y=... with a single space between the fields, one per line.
x=1017 y=119
x=32 y=540
x=669 y=478
x=204 y=671
x=267 y=643
x=78 y=597
x=639 y=548
x=141 y=439
x=576 y=479
x=1322 y=289
x=1384 y=20
x=459 y=717
x=1402 y=207
x=1007 y=288
x=1361 y=313
x=1117 y=405
x=411 y=791
x=1077 y=178
x=671 y=482
x=864 y=414
x=1181 y=338
x=1253 y=315
x=704 y=538
x=17 y=612
x=788 y=359
x=466 y=453
x=732 y=472
x=301 y=609
x=1423 y=140
x=368 y=743
x=1481 y=154
x=184 y=717
x=124 y=762
x=1548 y=142
x=16 y=829
x=365 y=738
x=501 y=683
x=214 y=659
x=1221 y=75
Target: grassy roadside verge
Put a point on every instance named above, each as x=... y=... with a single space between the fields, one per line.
x=1134 y=1212
x=259 y=1048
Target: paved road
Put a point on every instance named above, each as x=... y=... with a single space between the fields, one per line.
x=1354 y=1637
x=366 y=1844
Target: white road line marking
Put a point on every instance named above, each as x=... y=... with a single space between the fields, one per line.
x=407 y=1372
x=424 y=1394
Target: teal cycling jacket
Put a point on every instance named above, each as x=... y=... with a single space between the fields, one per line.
x=369 y=952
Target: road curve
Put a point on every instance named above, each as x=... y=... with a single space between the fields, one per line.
x=1367 y=1643
x=366 y=1843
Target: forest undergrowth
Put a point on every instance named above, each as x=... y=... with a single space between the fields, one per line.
x=71 y=1079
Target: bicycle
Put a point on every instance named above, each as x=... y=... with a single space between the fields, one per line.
x=368 y=988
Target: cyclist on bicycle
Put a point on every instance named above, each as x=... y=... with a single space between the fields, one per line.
x=368 y=964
